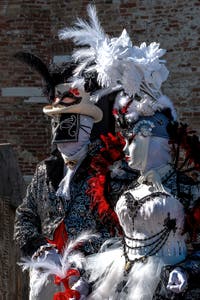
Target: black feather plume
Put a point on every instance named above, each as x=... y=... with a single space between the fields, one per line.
x=39 y=66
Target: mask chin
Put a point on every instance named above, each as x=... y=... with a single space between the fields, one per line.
x=68 y=150
x=138 y=151
x=146 y=153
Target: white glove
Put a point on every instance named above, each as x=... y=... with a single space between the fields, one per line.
x=47 y=253
x=177 y=280
x=82 y=287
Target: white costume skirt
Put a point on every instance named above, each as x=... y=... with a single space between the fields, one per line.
x=111 y=282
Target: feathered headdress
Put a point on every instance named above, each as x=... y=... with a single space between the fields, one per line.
x=118 y=63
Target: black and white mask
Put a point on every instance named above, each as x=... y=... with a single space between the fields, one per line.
x=72 y=132
x=65 y=128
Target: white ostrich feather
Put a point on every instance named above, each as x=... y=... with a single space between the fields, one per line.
x=77 y=258
x=131 y=79
x=92 y=13
x=37 y=281
x=118 y=63
x=85 y=33
x=46 y=266
x=103 y=92
x=82 y=238
x=83 y=54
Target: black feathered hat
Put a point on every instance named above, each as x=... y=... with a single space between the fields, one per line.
x=59 y=84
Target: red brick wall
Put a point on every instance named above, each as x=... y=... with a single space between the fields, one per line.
x=25 y=25
x=33 y=25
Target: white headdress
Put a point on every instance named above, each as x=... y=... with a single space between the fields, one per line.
x=119 y=64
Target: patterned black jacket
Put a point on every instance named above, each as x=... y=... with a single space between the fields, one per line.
x=42 y=211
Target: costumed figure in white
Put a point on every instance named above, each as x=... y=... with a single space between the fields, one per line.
x=151 y=217
x=150 y=214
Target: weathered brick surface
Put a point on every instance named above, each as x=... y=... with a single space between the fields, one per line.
x=33 y=26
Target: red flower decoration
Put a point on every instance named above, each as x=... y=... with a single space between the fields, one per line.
x=75 y=92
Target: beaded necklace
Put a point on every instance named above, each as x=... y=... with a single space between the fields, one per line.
x=157 y=240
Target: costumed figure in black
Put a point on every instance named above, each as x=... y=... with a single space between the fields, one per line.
x=153 y=212
x=57 y=207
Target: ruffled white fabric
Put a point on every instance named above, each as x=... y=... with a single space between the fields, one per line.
x=108 y=268
x=139 y=283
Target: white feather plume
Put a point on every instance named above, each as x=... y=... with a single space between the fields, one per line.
x=70 y=257
x=119 y=63
x=85 y=33
x=92 y=13
x=116 y=60
x=48 y=266
x=82 y=238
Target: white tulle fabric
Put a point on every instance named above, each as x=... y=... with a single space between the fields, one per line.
x=108 y=267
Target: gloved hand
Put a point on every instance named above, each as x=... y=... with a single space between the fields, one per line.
x=178 y=280
x=81 y=286
x=47 y=253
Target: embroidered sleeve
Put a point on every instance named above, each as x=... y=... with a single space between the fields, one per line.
x=27 y=230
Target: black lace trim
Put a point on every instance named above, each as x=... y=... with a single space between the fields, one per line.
x=159 y=239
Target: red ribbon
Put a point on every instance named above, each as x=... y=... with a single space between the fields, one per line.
x=68 y=293
x=59 y=240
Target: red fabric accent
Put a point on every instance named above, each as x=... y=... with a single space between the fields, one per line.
x=68 y=293
x=197 y=215
x=111 y=152
x=123 y=110
x=115 y=112
x=60 y=237
x=113 y=148
x=75 y=92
